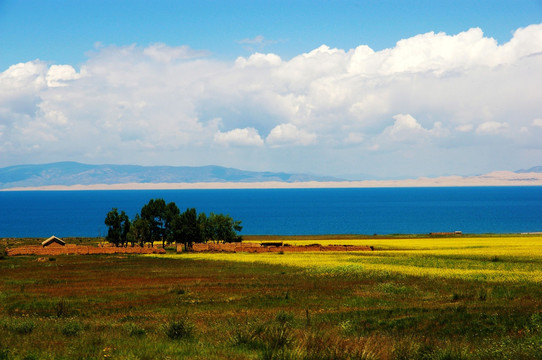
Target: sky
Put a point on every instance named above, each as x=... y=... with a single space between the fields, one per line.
x=353 y=89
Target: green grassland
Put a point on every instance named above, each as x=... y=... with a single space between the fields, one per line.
x=411 y=298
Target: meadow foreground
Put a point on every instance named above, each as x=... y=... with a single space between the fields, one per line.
x=411 y=298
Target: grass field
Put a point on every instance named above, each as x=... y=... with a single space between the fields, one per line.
x=411 y=298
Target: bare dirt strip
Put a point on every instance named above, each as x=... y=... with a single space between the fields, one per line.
x=278 y=247
x=80 y=250
x=71 y=249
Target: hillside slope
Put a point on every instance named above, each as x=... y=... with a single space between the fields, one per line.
x=73 y=173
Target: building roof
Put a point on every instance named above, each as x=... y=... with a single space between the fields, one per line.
x=53 y=239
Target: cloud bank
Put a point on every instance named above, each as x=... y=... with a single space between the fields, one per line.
x=434 y=104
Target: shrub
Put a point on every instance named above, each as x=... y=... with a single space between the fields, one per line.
x=275 y=339
x=326 y=345
x=284 y=318
x=61 y=308
x=23 y=327
x=535 y=322
x=246 y=334
x=278 y=338
x=134 y=330
x=72 y=328
x=412 y=349
x=3 y=252
x=4 y=354
x=482 y=294
x=180 y=328
x=177 y=290
x=31 y=356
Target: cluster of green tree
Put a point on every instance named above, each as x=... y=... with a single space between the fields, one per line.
x=158 y=221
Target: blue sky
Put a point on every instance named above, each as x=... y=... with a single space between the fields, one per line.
x=64 y=31
x=387 y=88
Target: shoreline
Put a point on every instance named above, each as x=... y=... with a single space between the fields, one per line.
x=498 y=178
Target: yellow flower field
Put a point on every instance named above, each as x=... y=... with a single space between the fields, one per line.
x=498 y=259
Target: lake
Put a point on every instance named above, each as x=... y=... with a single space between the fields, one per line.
x=475 y=210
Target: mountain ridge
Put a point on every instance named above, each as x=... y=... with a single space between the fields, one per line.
x=75 y=173
x=535 y=169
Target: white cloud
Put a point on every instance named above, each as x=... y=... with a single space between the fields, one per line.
x=464 y=128
x=407 y=128
x=431 y=94
x=258 y=60
x=243 y=137
x=58 y=74
x=257 y=40
x=354 y=138
x=163 y=53
x=404 y=123
x=491 y=128
x=289 y=134
x=22 y=81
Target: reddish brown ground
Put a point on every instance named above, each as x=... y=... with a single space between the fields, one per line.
x=257 y=248
x=80 y=250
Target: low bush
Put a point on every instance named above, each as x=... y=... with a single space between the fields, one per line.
x=177 y=290
x=278 y=338
x=61 y=308
x=180 y=328
x=482 y=294
x=247 y=334
x=4 y=353
x=72 y=328
x=134 y=330
x=23 y=327
x=324 y=344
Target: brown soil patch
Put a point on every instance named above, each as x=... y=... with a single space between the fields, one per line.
x=80 y=250
x=257 y=248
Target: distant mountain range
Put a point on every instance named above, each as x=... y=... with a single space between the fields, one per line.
x=536 y=169
x=73 y=173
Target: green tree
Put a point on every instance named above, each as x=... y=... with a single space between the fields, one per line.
x=139 y=231
x=220 y=227
x=125 y=225
x=172 y=212
x=205 y=228
x=154 y=213
x=118 y=227
x=186 y=228
x=159 y=217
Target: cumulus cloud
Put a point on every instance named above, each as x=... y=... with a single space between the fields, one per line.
x=59 y=74
x=354 y=138
x=407 y=130
x=289 y=134
x=404 y=123
x=163 y=53
x=161 y=104
x=258 y=60
x=243 y=137
x=464 y=128
x=492 y=127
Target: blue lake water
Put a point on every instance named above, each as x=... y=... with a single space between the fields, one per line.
x=288 y=211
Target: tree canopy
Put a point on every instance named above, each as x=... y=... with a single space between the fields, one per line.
x=118 y=227
x=161 y=221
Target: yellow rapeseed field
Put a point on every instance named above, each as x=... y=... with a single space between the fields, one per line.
x=499 y=259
